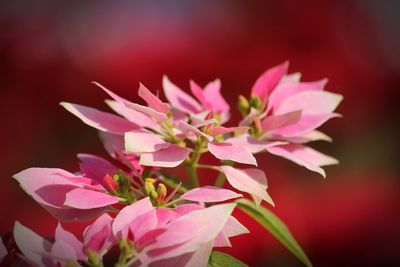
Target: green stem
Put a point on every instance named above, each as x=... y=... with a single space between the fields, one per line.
x=191 y=166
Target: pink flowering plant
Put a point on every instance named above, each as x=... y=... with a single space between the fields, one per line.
x=148 y=217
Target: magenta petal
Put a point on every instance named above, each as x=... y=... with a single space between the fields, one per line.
x=141 y=141
x=88 y=199
x=197 y=91
x=100 y=120
x=152 y=100
x=179 y=99
x=249 y=181
x=98 y=236
x=71 y=240
x=227 y=151
x=304 y=156
x=274 y=122
x=210 y=194
x=95 y=167
x=169 y=157
x=268 y=80
x=129 y=214
x=31 y=244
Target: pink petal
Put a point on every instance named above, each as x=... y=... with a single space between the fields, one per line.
x=192 y=231
x=232 y=228
x=285 y=90
x=227 y=151
x=88 y=199
x=98 y=236
x=62 y=252
x=140 y=141
x=100 y=120
x=129 y=214
x=133 y=115
x=186 y=128
x=248 y=181
x=149 y=112
x=164 y=216
x=152 y=100
x=95 y=167
x=218 y=130
x=113 y=95
x=212 y=92
x=31 y=244
x=274 y=122
x=268 y=80
x=169 y=157
x=311 y=102
x=112 y=143
x=71 y=240
x=304 y=156
x=179 y=99
x=309 y=137
x=210 y=194
x=197 y=91
x=186 y=208
x=142 y=225
x=305 y=125
x=251 y=144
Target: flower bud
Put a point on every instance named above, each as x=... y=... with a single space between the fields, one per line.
x=256 y=102
x=149 y=187
x=243 y=105
x=162 y=192
x=110 y=183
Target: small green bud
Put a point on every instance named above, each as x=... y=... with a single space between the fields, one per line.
x=162 y=192
x=243 y=105
x=256 y=102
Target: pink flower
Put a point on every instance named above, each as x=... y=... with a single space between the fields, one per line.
x=64 y=195
x=3 y=251
x=290 y=112
x=66 y=248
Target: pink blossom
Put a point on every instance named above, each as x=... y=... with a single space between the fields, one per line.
x=64 y=195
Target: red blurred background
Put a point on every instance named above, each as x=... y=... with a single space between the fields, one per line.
x=50 y=51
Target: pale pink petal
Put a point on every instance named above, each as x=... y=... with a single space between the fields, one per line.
x=268 y=80
x=95 y=167
x=179 y=99
x=285 y=90
x=3 y=250
x=291 y=78
x=227 y=151
x=248 y=120
x=113 y=95
x=306 y=124
x=218 y=130
x=152 y=100
x=309 y=137
x=71 y=240
x=210 y=194
x=311 y=102
x=186 y=128
x=248 y=181
x=186 y=208
x=61 y=251
x=197 y=91
x=68 y=214
x=232 y=228
x=274 y=122
x=169 y=157
x=164 y=216
x=212 y=93
x=252 y=145
x=128 y=214
x=98 y=236
x=132 y=115
x=31 y=244
x=88 y=199
x=100 y=120
x=151 y=113
x=112 y=143
x=192 y=231
x=140 y=141
x=304 y=156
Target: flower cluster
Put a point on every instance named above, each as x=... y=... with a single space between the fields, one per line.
x=153 y=218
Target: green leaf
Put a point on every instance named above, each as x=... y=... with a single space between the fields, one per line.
x=219 y=259
x=275 y=226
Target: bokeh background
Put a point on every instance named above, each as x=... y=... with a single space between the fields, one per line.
x=50 y=51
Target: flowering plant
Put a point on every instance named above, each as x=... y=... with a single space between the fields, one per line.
x=152 y=218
